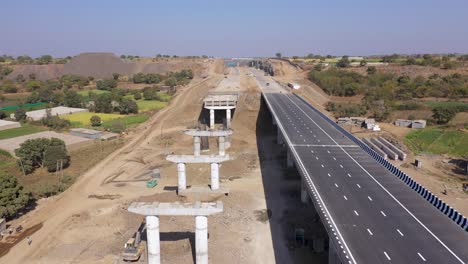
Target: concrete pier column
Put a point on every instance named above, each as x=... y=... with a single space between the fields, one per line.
x=214 y=176
x=196 y=146
x=152 y=233
x=201 y=239
x=304 y=194
x=289 y=159
x=222 y=146
x=332 y=255
x=182 y=184
x=212 y=118
x=279 y=137
x=228 y=118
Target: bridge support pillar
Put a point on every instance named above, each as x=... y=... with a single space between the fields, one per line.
x=152 y=231
x=196 y=146
x=332 y=254
x=279 y=139
x=289 y=159
x=304 y=195
x=201 y=239
x=222 y=146
x=182 y=182
x=228 y=118
x=214 y=176
x=212 y=118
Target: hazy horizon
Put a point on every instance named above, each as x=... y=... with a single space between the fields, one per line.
x=234 y=29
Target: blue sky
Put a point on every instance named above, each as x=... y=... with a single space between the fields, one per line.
x=233 y=28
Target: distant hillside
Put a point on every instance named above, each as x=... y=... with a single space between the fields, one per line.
x=103 y=65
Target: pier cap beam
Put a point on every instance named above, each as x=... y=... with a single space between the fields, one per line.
x=176 y=208
x=208 y=133
x=197 y=159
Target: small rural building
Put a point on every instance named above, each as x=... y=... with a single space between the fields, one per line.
x=86 y=133
x=403 y=122
x=344 y=121
x=369 y=123
x=54 y=111
x=418 y=124
x=4 y=124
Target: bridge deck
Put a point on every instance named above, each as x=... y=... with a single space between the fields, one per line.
x=368 y=211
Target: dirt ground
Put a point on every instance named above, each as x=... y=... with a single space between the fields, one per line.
x=89 y=222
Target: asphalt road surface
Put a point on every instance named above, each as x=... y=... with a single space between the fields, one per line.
x=375 y=217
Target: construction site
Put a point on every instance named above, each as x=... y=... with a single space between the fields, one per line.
x=209 y=148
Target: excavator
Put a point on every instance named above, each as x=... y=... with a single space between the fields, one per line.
x=133 y=248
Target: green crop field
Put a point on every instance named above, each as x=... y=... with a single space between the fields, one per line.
x=83 y=118
x=144 y=105
x=438 y=141
x=25 y=129
x=120 y=124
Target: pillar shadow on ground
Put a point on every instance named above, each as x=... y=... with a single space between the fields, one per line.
x=175 y=236
x=282 y=187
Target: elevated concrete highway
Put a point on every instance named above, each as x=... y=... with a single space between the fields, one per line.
x=371 y=216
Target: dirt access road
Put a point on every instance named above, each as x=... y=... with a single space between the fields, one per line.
x=89 y=222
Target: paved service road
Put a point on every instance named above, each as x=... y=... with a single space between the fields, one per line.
x=374 y=216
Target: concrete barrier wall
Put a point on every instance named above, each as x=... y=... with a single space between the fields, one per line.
x=375 y=148
x=389 y=152
x=398 y=151
x=430 y=197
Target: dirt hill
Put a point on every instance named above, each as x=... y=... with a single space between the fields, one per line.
x=103 y=65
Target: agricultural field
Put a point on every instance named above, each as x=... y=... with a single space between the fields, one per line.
x=144 y=105
x=25 y=129
x=83 y=119
x=438 y=141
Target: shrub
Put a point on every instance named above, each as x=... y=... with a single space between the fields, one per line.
x=128 y=106
x=12 y=196
x=55 y=122
x=73 y=99
x=95 y=120
x=3 y=115
x=137 y=96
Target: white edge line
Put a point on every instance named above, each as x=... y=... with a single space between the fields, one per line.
x=301 y=165
x=391 y=195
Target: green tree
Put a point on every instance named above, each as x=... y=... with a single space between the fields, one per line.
x=171 y=82
x=3 y=115
x=72 y=99
x=363 y=63
x=103 y=103
x=106 y=84
x=20 y=78
x=343 y=62
x=12 y=196
x=278 y=55
x=45 y=59
x=115 y=76
x=31 y=153
x=20 y=114
x=33 y=85
x=443 y=114
x=127 y=106
x=95 y=120
x=371 y=70
x=56 y=152
x=318 y=67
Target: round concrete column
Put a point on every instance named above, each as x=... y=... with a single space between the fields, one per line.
x=196 y=146
x=214 y=176
x=152 y=233
x=304 y=194
x=228 y=118
x=182 y=182
x=212 y=118
x=201 y=239
x=222 y=146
